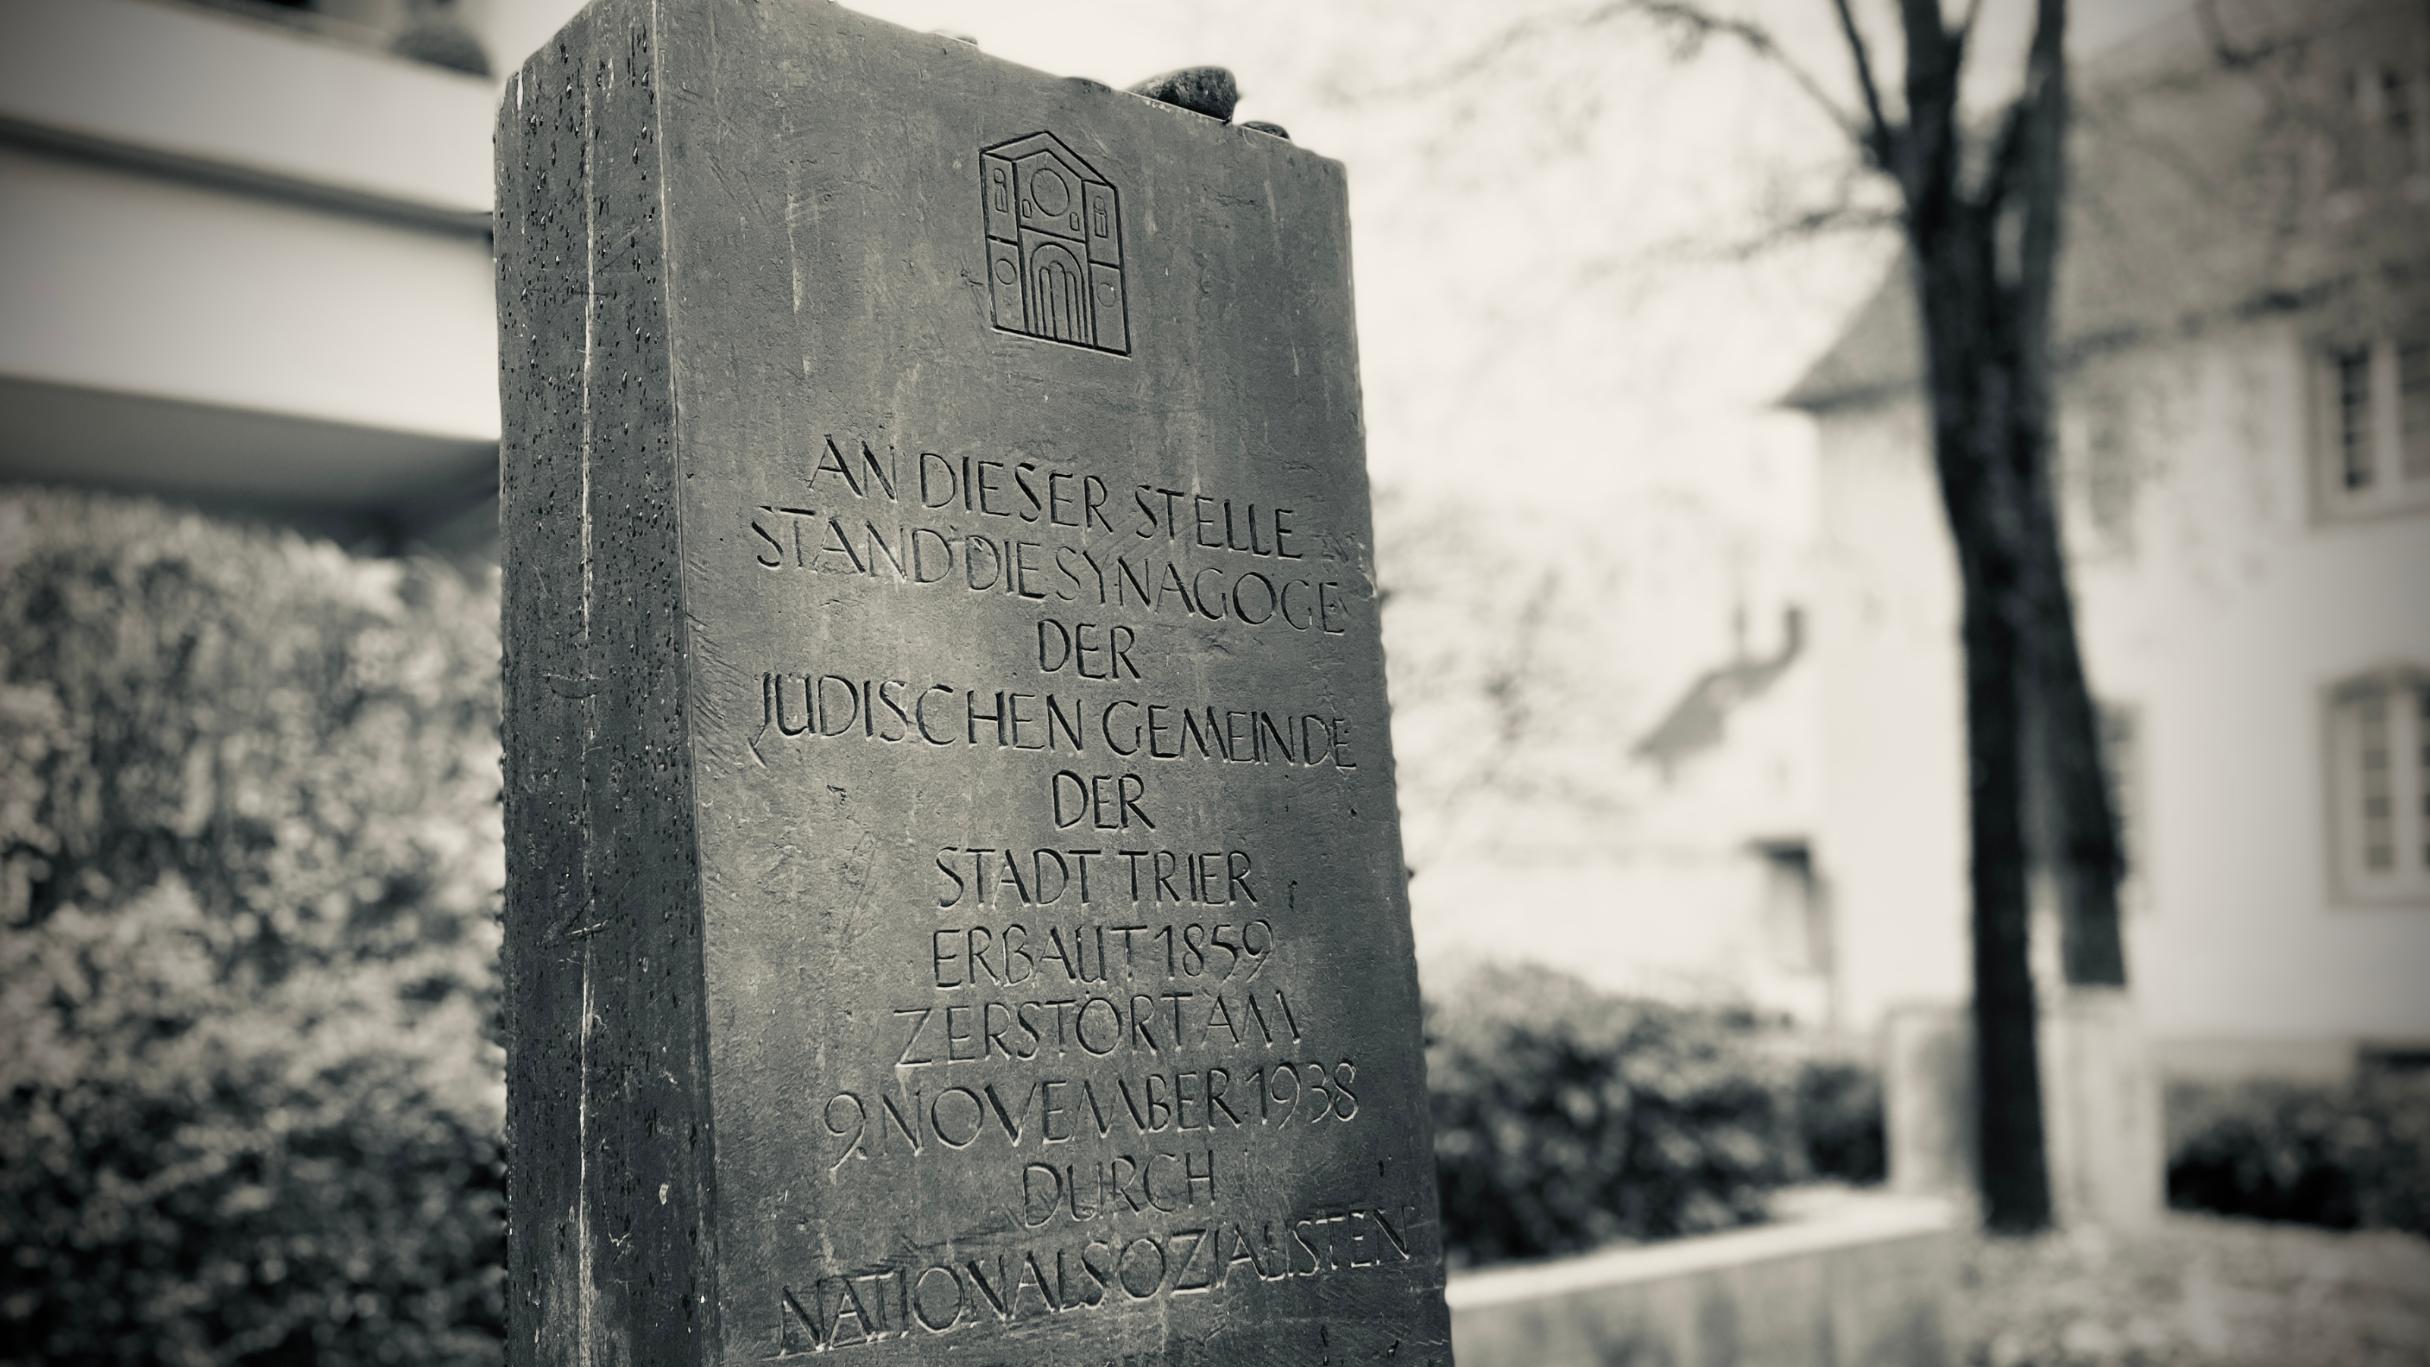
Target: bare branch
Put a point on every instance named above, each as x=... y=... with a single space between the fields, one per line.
x=1660 y=261
x=2007 y=151
x=1690 y=22
x=1965 y=28
x=2232 y=55
x=1881 y=139
x=2043 y=169
x=1928 y=154
x=1807 y=226
x=1513 y=36
x=1962 y=37
x=1928 y=51
x=1698 y=22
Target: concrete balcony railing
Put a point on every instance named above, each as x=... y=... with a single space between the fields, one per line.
x=243 y=264
x=398 y=27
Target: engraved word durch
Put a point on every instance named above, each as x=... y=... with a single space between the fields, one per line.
x=1054 y=245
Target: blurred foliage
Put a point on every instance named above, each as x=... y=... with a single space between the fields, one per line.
x=249 y=882
x=2353 y=1155
x=1840 y=1121
x=249 y=876
x=1566 y=1118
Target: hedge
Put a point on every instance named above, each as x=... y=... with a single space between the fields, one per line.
x=1566 y=1118
x=1841 y=1125
x=249 y=890
x=2349 y=1155
x=249 y=876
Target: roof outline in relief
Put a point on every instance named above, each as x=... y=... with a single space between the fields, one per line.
x=1052 y=229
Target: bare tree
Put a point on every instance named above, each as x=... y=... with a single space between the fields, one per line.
x=1985 y=263
x=1982 y=209
x=1980 y=204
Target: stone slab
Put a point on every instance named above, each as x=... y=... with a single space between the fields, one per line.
x=2101 y=1097
x=956 y=906
x=1855 y=1280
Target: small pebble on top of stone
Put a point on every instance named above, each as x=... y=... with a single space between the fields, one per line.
x=1208 y=90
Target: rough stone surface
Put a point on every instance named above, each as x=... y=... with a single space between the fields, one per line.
x=955 y=900
x=1865 y=1281
x=1270 y=129
x=1208 y=90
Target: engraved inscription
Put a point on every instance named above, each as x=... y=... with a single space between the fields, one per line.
x=1054 y=245
x=1105 y=1033
x=935 y=1291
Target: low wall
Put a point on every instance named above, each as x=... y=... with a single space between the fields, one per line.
x=1848 y=1281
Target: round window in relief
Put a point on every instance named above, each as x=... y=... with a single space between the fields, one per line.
x=1050 y=191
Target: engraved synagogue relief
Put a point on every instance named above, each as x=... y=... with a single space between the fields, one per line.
x=1054 y=245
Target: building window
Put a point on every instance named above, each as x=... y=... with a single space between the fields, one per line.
x=2400 y=97
x=1796 y=929
x=2351 y=367
x=2379 y=785
x=2386 y=138
x=2413 y=409
x=2375 y=426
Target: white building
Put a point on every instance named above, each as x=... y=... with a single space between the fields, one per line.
x=2246 y=456
x=1727 y=839
x=1702 y=887
x=247 y=258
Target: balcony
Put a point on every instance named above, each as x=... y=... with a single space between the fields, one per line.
x=247 y=262
x=425 y=31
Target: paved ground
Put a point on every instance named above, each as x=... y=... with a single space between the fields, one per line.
x=2197 y=1292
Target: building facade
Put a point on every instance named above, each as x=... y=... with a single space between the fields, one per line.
x=248 y=257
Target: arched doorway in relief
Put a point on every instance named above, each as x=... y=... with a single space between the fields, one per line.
x=1058 y=295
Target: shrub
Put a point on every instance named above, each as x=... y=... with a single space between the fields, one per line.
x=2348 y=1156
x=249 y=872
x=1566 y=1118
x=1840 y=1126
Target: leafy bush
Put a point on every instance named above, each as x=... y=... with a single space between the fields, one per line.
x=2348 y=1156
x=249 y=873
x=1840 y=1122
x=1567 y=1118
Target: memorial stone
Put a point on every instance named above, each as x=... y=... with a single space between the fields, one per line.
x=955 y=906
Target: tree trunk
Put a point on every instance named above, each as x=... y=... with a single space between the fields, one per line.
x=2015 y=1170
x=1986 y=270
x=1983 y=423
x=2078 y=824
